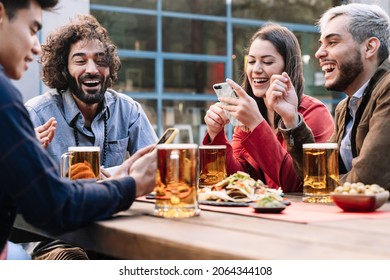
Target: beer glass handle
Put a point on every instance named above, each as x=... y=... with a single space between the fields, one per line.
x=64 y=164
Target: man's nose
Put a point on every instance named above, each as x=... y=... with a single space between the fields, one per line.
x=91 y=67
x=320 y=52
x=36 y=49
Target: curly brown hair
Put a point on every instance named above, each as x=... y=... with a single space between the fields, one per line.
x=56 y=50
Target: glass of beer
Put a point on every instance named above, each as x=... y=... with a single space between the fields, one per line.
x=321 y=171
x=177 y=181
x=212 y=168
x=81 y=163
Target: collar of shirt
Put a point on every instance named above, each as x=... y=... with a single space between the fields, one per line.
x=354 y=100
x=345 y=147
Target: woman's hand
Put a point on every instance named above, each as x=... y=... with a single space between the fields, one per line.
x=244 y=108
x=283 y=99
x=45 y=132
x=215 y=120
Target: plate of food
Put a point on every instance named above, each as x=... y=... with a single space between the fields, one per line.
x=224 y=203
x=239 y=189
x=359 y=197
x=268 y=203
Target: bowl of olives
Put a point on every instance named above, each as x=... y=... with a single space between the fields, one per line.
x=359 y=197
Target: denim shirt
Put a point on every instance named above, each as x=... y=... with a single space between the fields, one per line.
x=128 y=128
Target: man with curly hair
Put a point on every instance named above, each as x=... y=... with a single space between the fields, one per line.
x=30 y=184
x=80 y=63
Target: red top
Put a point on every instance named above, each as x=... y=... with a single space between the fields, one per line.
x=262 y=150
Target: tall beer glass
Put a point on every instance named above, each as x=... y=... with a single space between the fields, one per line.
x=177 y=181
x=212 y=164
x=321 y=171
x=81 y=163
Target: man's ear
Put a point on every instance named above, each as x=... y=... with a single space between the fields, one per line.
x=372 y=45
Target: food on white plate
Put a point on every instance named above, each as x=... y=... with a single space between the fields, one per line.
x=358 y=188
x=238 y=187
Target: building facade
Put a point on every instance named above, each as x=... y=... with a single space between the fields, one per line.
x=173 y=51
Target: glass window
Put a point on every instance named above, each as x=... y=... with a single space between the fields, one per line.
x=294 y=11
x=213 y=7
x=129 y=31
x=194 y=36
x=144 y=4
x=188 y=117
x=192 y=76
x=136 y=74
x=150 y=108
x=241 y=36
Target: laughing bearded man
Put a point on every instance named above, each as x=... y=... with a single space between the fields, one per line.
x=80 y=63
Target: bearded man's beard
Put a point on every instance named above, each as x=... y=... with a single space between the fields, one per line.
x=90 y=96
x=349 y=70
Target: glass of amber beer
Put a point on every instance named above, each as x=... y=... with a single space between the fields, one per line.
x=212 y=168
x=177 y=181
x=81 y=163
x=321 y=171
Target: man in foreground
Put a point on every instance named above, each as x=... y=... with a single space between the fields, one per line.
x=29 y=179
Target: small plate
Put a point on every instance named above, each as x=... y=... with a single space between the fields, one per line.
x=360 y=202
x=286 y=202
x=151 y=195
x=224 y=203
x=271 y=210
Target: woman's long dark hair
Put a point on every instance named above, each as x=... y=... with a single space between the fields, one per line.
x=287 y=46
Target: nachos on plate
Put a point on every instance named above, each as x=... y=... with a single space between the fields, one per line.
x=238 y=187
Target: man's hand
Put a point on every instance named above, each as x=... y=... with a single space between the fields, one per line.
x=45 y=132
x=142 y=166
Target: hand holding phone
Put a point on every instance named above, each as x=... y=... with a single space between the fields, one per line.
x=168 y=136
x=225 y=90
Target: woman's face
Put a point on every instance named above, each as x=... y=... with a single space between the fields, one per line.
x=263 y=62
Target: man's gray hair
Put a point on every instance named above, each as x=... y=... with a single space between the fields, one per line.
x=365 y=21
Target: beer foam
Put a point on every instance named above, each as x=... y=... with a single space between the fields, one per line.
x=176 y=146
x=84 y=149
x=320 y=146
x=212 y=147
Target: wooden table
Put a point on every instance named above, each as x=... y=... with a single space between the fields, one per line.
x=137 y=234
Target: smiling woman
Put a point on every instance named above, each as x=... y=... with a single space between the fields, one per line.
x=274 y=65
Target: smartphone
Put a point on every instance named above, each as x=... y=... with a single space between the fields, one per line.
x=224 y=90
x=168 y=136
